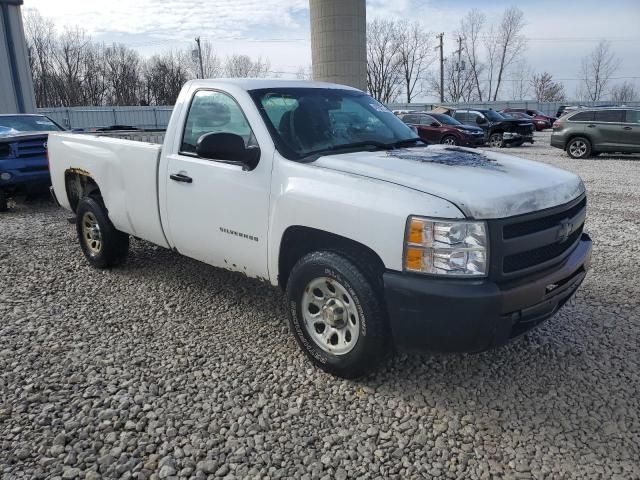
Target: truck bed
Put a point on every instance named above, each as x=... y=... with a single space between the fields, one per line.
x=126 y=170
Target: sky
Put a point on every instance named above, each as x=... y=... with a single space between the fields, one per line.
x=560 y=32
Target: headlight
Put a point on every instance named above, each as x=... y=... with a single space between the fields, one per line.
x=439 y=247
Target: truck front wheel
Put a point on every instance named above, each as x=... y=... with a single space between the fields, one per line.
x=101 y=243
x=336 y=315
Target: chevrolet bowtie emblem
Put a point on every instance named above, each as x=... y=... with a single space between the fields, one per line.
x=564 y=230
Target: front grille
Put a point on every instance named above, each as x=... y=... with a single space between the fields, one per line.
x=524 y=129
x=530 y=226
x=539 y=255
x=536 y=241
x=30 y=148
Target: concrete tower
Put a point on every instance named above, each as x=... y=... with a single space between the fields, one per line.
x=339 y=41
x=16 y=84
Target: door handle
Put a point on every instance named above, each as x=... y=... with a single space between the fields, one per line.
x=179 y=177
x=591 y=126
x=627 y=128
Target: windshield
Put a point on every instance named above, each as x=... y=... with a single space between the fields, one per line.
x=446 y=119
x=306 y=121
x=493 y=115
x=12 y=124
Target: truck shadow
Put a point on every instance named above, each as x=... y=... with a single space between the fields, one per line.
x=533 y=384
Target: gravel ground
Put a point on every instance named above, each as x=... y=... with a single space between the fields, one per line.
x=167 y=368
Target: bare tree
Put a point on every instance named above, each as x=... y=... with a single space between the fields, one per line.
x=70 y=69
x=40 y=33
x=384 y=78
x=211 y=64
x=491 y=49
x=244 y=66
x=415 y=54
x=521 y=73
x=471 y=27
x=68 y=59
x=624 y=92
x=597 y=69
x=546 y=89
x=509 y=42
x=304 y=73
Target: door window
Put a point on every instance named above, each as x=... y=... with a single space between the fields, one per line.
x=633 y=116
x=582 y=117
x=427 y=120
x=411 y=119
x=610 y=116
x=214 y=112
x=461 y=116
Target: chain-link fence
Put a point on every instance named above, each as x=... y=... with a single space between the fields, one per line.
x=93 y=117
x=548 y=108
x=158 y=117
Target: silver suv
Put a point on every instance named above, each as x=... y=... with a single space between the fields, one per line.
x=589 y=132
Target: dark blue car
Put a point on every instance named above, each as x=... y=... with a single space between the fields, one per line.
x=23 y=160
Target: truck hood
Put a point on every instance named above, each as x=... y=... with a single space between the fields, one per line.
x=482 y=185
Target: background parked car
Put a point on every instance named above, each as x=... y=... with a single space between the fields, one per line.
x=499 y=131
x=539 y=118
x=539 y=122
x=439 y=128
x=588 y=132
x=23 y=160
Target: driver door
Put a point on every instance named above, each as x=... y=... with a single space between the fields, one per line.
x=218 y=211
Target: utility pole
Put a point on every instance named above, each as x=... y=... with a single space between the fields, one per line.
x=458 y=69
x=441 y=36
x=200 y=57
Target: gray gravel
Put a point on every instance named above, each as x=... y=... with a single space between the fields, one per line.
x=167 y=368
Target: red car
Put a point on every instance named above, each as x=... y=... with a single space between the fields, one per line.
x=540 y=120
x=440 y=128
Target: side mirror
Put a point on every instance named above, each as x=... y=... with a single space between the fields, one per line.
x=227 y=147
x=481 y=120
x=435 y=124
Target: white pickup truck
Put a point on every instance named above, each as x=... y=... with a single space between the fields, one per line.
x=379 y=240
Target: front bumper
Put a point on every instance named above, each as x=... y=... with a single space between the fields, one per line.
x=473 y=140
x=512 y=137
x=558 y=141
x=465 y=315
x=23 y=175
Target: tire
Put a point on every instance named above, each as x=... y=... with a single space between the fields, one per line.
x=101 y=243
x=496 y=140
x=3 y=202
x=337 y=314
x=579 y=147
x=449 y=140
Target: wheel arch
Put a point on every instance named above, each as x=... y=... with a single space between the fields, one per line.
x=299 y=240
x=79 y=184
x=578 y=135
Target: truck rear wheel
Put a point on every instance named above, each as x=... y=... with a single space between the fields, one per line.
x=101 y=243
x=336 y=315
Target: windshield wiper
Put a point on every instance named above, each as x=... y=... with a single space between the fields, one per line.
x=366 y=143
x=406 y=142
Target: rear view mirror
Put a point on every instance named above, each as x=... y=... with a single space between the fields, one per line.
x=227 y=147
x=481 y=120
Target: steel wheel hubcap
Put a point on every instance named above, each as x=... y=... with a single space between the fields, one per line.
x=91 y=233
x=330 y=316
x=449 y=141
x=578 y=149
x=496 y=141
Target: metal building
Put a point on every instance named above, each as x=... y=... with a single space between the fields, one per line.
x=339 y=41
x=16 y=84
